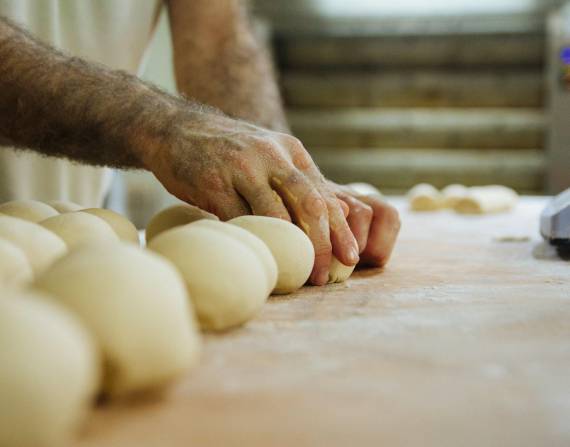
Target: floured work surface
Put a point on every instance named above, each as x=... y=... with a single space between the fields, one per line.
x=463 y=340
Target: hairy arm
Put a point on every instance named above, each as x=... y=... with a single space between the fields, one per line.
x=64 y=106
x=219 y=61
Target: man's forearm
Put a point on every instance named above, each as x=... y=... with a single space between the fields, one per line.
x=219 y=61
x=64 y=106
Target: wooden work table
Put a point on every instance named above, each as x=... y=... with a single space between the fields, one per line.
x=464 y=340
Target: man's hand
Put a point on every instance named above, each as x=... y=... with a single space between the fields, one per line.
x=231 y=168
x=374 y=223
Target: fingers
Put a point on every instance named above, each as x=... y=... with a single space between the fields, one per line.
x=359 y=219
x=226 y=206
x=383 y=232
x=310 y=212
x=263 y=200
x=344 y=245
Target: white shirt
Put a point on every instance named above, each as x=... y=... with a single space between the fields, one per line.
x=112 y=32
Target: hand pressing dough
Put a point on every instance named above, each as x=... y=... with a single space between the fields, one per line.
x=425 y=197
x=135 y=304
x=42 y=247
x=78 y=228
x=290 y=246
x=122 y=226
x=49 y=372
x=226 y=279
x=174 y=216
x=453 y=194
x=252 y=241
x=31 y=210
x=487 y=199
x=63 y=206
x=15 y=269
x=338 y=272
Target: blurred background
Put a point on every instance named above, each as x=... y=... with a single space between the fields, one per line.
x=397 y=93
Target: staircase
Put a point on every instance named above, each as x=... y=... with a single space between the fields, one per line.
x=396 y=104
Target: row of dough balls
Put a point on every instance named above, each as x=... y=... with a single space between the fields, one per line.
x=462 y=199
x=104 y=315
x=92 y=314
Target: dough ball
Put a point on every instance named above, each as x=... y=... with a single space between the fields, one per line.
x=15 y=269
x=486 y=200
x=425 y=197
x=174 y=216
x=291 y=248
x=136 y=305
x=122 y=226
x=226 y=279
x=31 y=210
x=79 y=228
x=63 y=206
x=365 y=189
x=253 y=242
x=339 y=272
x=48 y=372
x=453 y=194
x=42 y=247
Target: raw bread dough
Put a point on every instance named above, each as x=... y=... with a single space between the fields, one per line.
x=15 y=269
x=136 y=305
x=42 y=247
x=122 y=226
x=226 y=279
x=63 y=206
x=31 y=210
x=339 y=272
x=291 y=248
x=487 y=199
x=425 y=197
x=174 y=216
x=49 y=372
x=79 y=228
x=365 y=189
x=453 y=194
x=252 y=241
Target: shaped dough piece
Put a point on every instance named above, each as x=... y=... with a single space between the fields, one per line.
x=425 y=197
x=365 y=189
x=338 y=272
x=79 y=228
x=63 y=206
x=253 y=242
x=42 y=247
x=49 y=372
x=135 y=304
x=15 y=269
x=486 y=200
x=453 y=194
x=174 y=216
x=122 y=226
x=291 y=247
x=31 y=210
x=226 y=279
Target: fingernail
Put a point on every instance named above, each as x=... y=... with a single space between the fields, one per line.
x=353 y=255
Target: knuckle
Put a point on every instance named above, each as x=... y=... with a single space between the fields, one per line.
x=362 y=211
x=314 y=203
x=323 y=249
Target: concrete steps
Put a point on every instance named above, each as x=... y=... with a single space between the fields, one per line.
x=388 y=51
x=419 y=128
x=397 y=101
x=414 y=88
x=395 y=170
